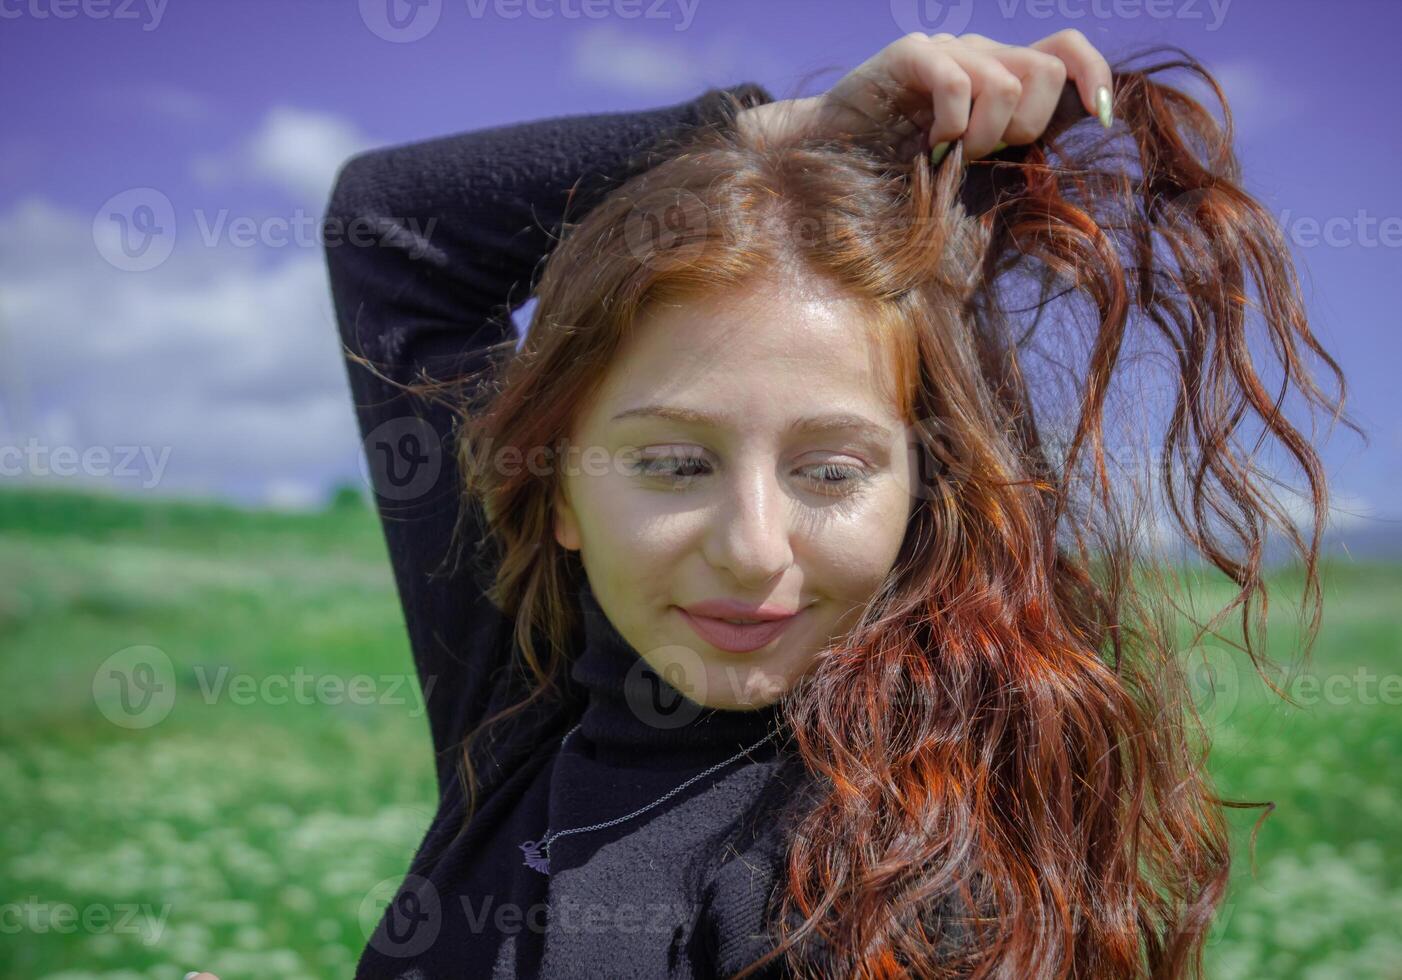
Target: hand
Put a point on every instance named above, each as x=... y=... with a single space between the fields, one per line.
x=922 y=91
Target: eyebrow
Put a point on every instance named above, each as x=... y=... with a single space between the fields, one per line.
x=806 y=424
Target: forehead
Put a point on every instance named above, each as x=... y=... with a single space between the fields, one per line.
x=771 y=350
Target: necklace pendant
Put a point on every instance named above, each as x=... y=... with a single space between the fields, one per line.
x=534 y=859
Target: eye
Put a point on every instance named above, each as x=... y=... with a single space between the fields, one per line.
x=681 y=469
x=833 y=478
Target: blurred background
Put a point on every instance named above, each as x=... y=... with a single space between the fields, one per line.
x=206 y=694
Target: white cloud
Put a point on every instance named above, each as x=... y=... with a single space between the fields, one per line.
x=298 y=150
x=302 y=150
x=169 y=103
x=228 y=361
x=608 y=56
x=1257 y=100
x=221 y=364
x=1346 y=510
x=293 y=495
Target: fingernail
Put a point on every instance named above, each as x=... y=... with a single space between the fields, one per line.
x=938 y=151
x=1102 y=105
x=1000 y=145
x=192 y=974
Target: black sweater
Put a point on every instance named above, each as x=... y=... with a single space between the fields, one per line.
x=457 y=227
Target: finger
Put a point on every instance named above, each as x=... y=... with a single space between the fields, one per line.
x=945 y=85
x=977 y=40
x=988 y=44
x=890 y=88
x=1085 y=66
x=1044 y=86
x=995 y=92
x=1043 y=78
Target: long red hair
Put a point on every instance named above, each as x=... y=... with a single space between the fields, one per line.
x=1007 y=770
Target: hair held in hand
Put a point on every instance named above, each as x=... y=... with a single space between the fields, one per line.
x=1004 y=766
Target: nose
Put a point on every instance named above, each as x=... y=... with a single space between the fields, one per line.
x=749 y=535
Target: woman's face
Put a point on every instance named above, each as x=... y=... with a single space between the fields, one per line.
x=741 y=448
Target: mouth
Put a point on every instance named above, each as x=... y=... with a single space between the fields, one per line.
x=737 y=637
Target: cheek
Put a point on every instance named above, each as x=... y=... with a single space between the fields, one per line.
x=856 y=549
x=622 y=534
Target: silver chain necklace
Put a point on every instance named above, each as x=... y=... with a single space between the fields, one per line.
x=538 y=852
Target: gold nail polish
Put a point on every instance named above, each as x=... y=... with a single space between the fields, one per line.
x=1102 y=105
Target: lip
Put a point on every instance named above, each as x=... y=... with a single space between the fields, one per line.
x=734 y=609
x=733 y=638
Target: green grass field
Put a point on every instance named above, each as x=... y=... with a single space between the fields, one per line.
x=222 y=814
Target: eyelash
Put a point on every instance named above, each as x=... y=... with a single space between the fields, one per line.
x=646 y=467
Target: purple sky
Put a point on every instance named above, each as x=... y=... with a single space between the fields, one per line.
x=220 y=359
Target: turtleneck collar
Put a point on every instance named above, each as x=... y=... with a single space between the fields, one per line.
x=633 y=715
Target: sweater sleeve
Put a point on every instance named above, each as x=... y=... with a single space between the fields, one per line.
x=429 y=246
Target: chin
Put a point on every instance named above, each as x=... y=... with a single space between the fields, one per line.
x=742 y=687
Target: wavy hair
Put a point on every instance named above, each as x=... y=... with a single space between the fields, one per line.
x=1007 y=770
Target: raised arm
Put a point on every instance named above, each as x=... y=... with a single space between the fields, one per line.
x=429 y=247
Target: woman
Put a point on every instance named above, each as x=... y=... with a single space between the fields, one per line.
x=794 y=622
